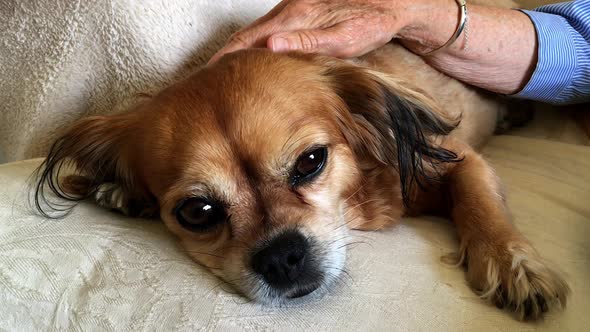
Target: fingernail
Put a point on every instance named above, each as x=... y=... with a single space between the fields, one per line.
x=279 y=44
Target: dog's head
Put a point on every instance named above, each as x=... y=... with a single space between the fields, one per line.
x=259 y=163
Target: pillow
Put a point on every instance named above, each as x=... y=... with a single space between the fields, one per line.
x=96 y=270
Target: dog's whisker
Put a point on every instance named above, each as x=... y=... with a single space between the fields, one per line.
x=259 y=232
x=359 y=235
x=349 y=209
x=345 y=224
x=238 y=246
x=383 y=225
x=204 y=253
x=344 y=237
x=354 y=193
x=352 y=243
x=215 y=286
x=230 y=282
x=214 y=268
x=341 y=270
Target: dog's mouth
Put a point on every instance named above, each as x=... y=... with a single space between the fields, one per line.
x=302 y=291
x=291 y=266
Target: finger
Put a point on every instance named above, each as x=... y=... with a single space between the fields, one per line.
x=276 y=10
x=335 y=41
x=254 y=34
x=229 y=48
x=242 y=39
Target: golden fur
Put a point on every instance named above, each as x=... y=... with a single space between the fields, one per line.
x=234 y=129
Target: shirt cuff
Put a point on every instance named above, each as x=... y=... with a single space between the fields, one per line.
x=556 y=58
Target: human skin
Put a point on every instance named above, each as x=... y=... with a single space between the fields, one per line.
x=498 y=52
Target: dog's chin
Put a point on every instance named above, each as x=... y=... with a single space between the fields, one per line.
x=302 y=291
x=329 y=256
x=259 y=291
x=293 y=295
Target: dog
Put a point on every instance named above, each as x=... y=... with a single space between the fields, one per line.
x=261 y=162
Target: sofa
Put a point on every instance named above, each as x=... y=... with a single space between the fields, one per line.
x=95 y=270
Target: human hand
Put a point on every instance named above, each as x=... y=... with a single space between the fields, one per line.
x=340 y=28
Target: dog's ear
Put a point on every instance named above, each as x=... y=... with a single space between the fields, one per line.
x=96 y=154
x=387 y=121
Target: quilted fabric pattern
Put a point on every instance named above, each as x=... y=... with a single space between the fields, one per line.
x=98 y=271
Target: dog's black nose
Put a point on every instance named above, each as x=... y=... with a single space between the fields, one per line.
x=282 y=260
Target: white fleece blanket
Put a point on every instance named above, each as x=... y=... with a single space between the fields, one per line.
x=63 y=59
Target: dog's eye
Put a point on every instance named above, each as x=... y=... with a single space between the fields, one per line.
x=198 y=214
x=309 y=165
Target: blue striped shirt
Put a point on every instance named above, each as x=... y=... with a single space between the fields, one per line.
x=562 y=74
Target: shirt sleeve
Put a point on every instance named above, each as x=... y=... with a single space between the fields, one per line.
x=562 y=74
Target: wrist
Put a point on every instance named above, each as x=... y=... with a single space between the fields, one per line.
x=430 y=25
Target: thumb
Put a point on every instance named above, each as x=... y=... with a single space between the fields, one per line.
x=308 y=41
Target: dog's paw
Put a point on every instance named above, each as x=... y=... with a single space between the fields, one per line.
x=515 y=277
x=517 y=114
x=112 y=196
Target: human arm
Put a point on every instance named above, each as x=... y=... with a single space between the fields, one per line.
x=541 y=55
x=503 y=50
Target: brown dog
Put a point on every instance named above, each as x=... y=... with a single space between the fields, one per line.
x=261 y=162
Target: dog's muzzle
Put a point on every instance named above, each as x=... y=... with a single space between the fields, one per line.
x=287 y=263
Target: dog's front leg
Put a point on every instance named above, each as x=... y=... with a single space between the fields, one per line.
x=502 y=265
x=111 y=196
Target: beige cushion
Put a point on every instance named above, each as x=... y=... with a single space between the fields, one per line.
x=96 y=270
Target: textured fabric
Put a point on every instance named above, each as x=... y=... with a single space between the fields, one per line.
x=64 y=59
x=562 y=73
x=97 y=271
